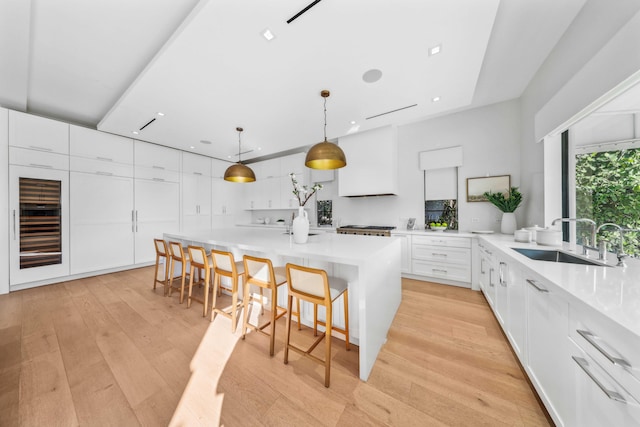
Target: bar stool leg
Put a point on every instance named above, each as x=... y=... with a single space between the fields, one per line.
x=346 y=319
x=216 y=289
x=207 y=278
x=245 y=314
x=327 y=350
x=274 y=310
x=288 y=335
x=234 y=304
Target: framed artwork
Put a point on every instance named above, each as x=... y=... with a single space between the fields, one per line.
x=476 y=187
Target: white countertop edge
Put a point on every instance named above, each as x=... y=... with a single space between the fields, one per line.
x=612 y=291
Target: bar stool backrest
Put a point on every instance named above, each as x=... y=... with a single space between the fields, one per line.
x=177 y=253
x=259 y=270
x=198 y=256
x=161 y=247
x=308 y=283
x=223 y=261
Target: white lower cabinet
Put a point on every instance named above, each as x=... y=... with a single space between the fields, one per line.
x=547 y=362
x=487 y=273
x=102 y=223
x=446 y=259
x=157 y=211
x=405 y=245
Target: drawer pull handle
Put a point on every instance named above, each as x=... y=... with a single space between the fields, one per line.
x=439 y=270
x=104 y=159
x=157 y=167
x=535 y=285
x=35 y=147
x=611 y=394
x=37 y=165
x=198 y=173
x=482 y=266
x=489 y=252
x=491 y=277
x=158 y=179
x=104 y=173
x=592 y=340
x=437 y=254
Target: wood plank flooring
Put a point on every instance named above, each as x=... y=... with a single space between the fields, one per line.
x=108 y=350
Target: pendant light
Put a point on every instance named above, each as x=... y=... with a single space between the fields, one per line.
x=325 y=154
x=239 y=172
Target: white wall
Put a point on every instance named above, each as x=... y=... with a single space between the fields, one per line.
x=4 y=195
x=600 y=48
x=490 y=140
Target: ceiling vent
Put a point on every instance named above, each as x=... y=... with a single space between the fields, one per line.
x=148 y=123
x=392 y=111
x=297 y=15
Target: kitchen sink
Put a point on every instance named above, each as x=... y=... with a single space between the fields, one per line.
x=556 y=256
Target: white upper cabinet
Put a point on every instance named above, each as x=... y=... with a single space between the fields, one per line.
x=270 y=169
x=372 y=163
x=196 y=164
x=96 y=145
x=156 y=156
x=38 y=133
x=293 y=163
x=156 y=162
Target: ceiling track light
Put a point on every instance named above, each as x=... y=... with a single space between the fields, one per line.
x=325 y=155
x=239 y=172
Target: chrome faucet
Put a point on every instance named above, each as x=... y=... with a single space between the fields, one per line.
x=620 y=252
x=591 y=245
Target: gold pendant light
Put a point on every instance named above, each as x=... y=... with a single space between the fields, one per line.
x=239 y=172
x=325 y=154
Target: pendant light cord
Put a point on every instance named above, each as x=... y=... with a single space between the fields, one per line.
x=325 y=119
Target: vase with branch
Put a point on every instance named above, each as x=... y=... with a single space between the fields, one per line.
x=300 y=224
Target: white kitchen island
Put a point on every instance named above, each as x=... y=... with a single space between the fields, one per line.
x=370 y=264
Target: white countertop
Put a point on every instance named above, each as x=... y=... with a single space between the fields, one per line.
x=332 y=247
x=613 y=291
x=422 y=232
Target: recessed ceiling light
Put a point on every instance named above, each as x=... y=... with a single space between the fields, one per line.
x=435 y=99
x=160 y=114
x=204 y=141
x=135 y=132
x=372 y=76
x=435 y=50
x=228 y=157
x=353 y=122
x=192 y=147
x=259 y=148
x=268 y=35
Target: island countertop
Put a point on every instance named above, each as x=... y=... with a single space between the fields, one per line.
x=330 y=247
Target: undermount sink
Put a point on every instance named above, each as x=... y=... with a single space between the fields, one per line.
x=556 y=256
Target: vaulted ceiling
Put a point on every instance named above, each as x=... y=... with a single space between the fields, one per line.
x=206 y=66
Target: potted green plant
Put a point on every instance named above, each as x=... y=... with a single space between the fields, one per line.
x=507 y=204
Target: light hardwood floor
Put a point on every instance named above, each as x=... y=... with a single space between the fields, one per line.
x=108 y=350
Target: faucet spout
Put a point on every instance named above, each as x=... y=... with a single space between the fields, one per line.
x=620 y=252
x=592 y=243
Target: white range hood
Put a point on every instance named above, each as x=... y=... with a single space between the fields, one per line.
x=372 y=163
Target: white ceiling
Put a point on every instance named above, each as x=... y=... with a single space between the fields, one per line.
x=113 y=64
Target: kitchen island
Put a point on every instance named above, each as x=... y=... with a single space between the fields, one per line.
x=370 y=264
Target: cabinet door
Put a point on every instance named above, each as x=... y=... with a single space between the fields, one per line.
x=196 y=202
x=102 y=228
x=599 y=399
x=501 y=301
x=157 y=211
x=156 y=157
x=547 y=347
x=93 y=144
x=516 y=306
x=272 y=193
x=39 y=245
x=38 y=133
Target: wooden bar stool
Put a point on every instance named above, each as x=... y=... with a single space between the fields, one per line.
x=261 y=272
x=178 y=255
x=313 y=285
x=200 y=260
x=224 y=265
x=162 y=253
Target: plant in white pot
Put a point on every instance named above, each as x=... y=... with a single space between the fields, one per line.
x=507 y=204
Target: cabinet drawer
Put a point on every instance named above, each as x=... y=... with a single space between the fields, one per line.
x=157 y=174
x=98 y=145
x=38 y=133
x=100 y=167
x=460 y=273
x=454 y=242
x=442 y=254
x=38 y=159
x=614 y=348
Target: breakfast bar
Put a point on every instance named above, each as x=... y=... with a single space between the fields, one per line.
x=371 y=265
